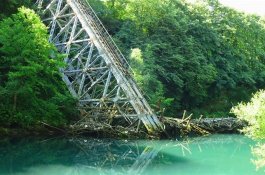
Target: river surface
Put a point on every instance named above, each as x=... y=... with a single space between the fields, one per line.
x=211 y=155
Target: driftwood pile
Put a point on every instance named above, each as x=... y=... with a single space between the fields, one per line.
x=186 y=127
x=174 y=128
x=102 y=129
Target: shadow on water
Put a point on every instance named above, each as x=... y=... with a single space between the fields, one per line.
x=103 y=156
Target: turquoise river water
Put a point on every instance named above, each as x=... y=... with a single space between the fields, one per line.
x=211 y=155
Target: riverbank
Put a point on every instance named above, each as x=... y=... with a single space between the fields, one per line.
x=28 y=132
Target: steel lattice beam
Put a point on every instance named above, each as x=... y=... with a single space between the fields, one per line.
x=97 y=73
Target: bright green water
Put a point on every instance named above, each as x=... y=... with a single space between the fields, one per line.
x=213 y=155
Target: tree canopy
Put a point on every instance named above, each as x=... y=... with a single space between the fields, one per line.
x=31 y=89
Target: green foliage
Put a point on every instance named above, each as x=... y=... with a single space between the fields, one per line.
x=200 y=55
x=31 y=89
x=147 y=81
x=254 y=113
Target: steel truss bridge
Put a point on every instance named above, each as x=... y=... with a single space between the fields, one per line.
x=97 y=73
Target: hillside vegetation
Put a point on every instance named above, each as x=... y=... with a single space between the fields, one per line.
x=202 y=57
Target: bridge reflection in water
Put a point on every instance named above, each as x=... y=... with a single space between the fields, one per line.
x=118 y=157
x=81 y=156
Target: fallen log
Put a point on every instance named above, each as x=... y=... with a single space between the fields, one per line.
x=175 y=128
x=220 y=125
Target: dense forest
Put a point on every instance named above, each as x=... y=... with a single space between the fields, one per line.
x=201 y=57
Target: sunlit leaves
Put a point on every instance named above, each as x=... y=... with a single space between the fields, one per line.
x=254 y=113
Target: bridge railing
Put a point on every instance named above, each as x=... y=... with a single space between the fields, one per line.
x=104 y=36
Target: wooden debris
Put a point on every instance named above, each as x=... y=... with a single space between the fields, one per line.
x=174 y=127
x=220 y=125
x=102 y=129
x=187 y=126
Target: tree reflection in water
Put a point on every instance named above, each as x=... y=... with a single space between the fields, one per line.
x=259 y=154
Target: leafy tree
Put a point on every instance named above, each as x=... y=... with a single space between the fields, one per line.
x=31 y=89
x=253 y=112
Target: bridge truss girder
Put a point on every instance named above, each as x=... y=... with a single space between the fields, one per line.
x=97 y=74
